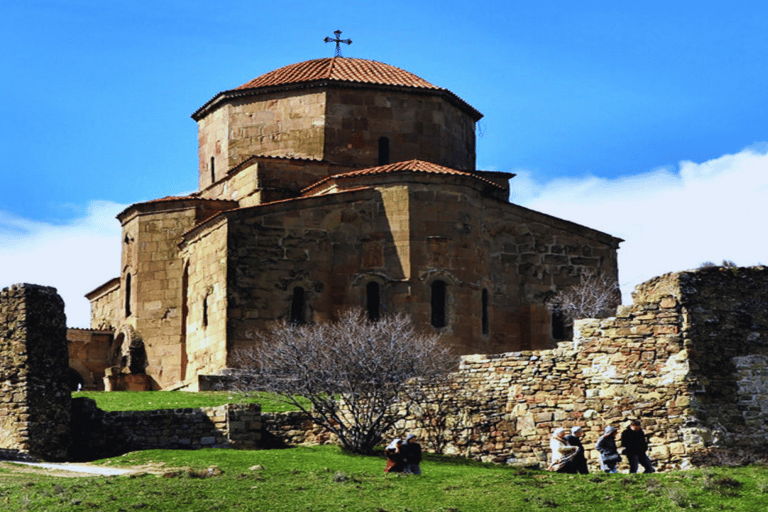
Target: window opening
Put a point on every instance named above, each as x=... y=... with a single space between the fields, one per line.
x=297 y=306
x=559 y=329
x=205 y=311
x=383 y=150
x=128 y=294
x=438 y=304
x=373 y=300
x=213 y=170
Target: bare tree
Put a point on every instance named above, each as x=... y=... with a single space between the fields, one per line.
x=352 y=371
x=595 y=296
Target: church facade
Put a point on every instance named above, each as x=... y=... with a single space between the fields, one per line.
x=326 y=185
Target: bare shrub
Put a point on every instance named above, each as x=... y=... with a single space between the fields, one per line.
x=352 y=371
x=596 y=296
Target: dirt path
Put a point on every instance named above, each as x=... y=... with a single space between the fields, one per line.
x=64 y=469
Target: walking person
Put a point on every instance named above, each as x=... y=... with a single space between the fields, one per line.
x=411 y=451
x=609 y=454
x=562 y=453
x=395 y=462
x=635 y=446
x=579 y=459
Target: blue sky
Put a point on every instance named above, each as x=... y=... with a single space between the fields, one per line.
x=647 y=120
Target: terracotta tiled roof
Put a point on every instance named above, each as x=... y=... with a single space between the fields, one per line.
x=341 y=69
x=419 y=166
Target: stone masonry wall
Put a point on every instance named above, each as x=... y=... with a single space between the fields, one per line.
x=687 y=358
x=97 y=433
x=34 y=380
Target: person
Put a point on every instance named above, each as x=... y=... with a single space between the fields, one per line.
x=562 y=454
x=635 y=446
x=411 y=451
x=579 y=460
x=395 y=462
x=609 y=454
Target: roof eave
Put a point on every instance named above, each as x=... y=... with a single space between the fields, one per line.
x=213 y=103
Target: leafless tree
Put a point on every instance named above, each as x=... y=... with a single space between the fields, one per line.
x=595 y=296
x=353 y=371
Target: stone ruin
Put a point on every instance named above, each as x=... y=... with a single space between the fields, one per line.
x=34 y=374
x=689 y=358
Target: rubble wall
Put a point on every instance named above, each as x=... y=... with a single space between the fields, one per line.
x=687 y=359
x=34 y=378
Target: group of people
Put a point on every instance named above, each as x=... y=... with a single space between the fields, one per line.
x=403 y=456
x=568 y=451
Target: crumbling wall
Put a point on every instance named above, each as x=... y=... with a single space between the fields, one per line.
x=687 y=358
x=97 y=433
x=34 y=373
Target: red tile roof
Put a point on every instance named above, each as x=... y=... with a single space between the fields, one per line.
x=341 y=69
x=419 y=166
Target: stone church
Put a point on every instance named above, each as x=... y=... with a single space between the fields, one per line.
x=325 y=185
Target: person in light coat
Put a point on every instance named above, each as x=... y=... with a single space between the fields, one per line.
x=562 y=453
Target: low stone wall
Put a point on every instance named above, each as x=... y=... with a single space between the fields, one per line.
x=97 y=433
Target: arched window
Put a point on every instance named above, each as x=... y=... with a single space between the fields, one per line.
x=383 y=150
x=438 y=303
x=484 y=319
x=297 y=306
x=128 y=294
x=213 y=170
x=373 y=300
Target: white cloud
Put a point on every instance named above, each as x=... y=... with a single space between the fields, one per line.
x=75 y=258
x=671 y=219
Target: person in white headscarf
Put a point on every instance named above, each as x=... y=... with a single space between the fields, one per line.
x=395 y=460
x=562 y=453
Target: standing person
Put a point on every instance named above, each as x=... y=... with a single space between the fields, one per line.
x=393 y=451
x=635 y=445
x=411 y=451
x=609 y=454
x=562 y=454
x=579 y=459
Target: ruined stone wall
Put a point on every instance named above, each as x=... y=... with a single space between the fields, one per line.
x=90 y=354
x=97 y=433
x=686 y=358
x=34 y=390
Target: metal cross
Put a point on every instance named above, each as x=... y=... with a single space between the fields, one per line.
x=338 y=40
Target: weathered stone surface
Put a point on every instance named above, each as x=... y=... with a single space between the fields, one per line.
x=34 y=378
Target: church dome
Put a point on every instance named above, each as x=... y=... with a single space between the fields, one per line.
x=339 y=69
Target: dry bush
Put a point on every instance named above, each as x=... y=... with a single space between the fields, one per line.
x=596 y=296
x=352 y=371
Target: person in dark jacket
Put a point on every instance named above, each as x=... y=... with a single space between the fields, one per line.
x=609 y=454
x=411 y=451
x=395 y=459
x=635 y=446
x=579 y=461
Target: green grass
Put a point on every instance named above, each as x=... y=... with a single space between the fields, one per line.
x=151 y=400
x=327 y=479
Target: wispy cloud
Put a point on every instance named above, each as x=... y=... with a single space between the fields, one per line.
x=671 y=218
x=74 y=258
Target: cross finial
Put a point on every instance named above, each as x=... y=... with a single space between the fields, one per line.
x=338 y=40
